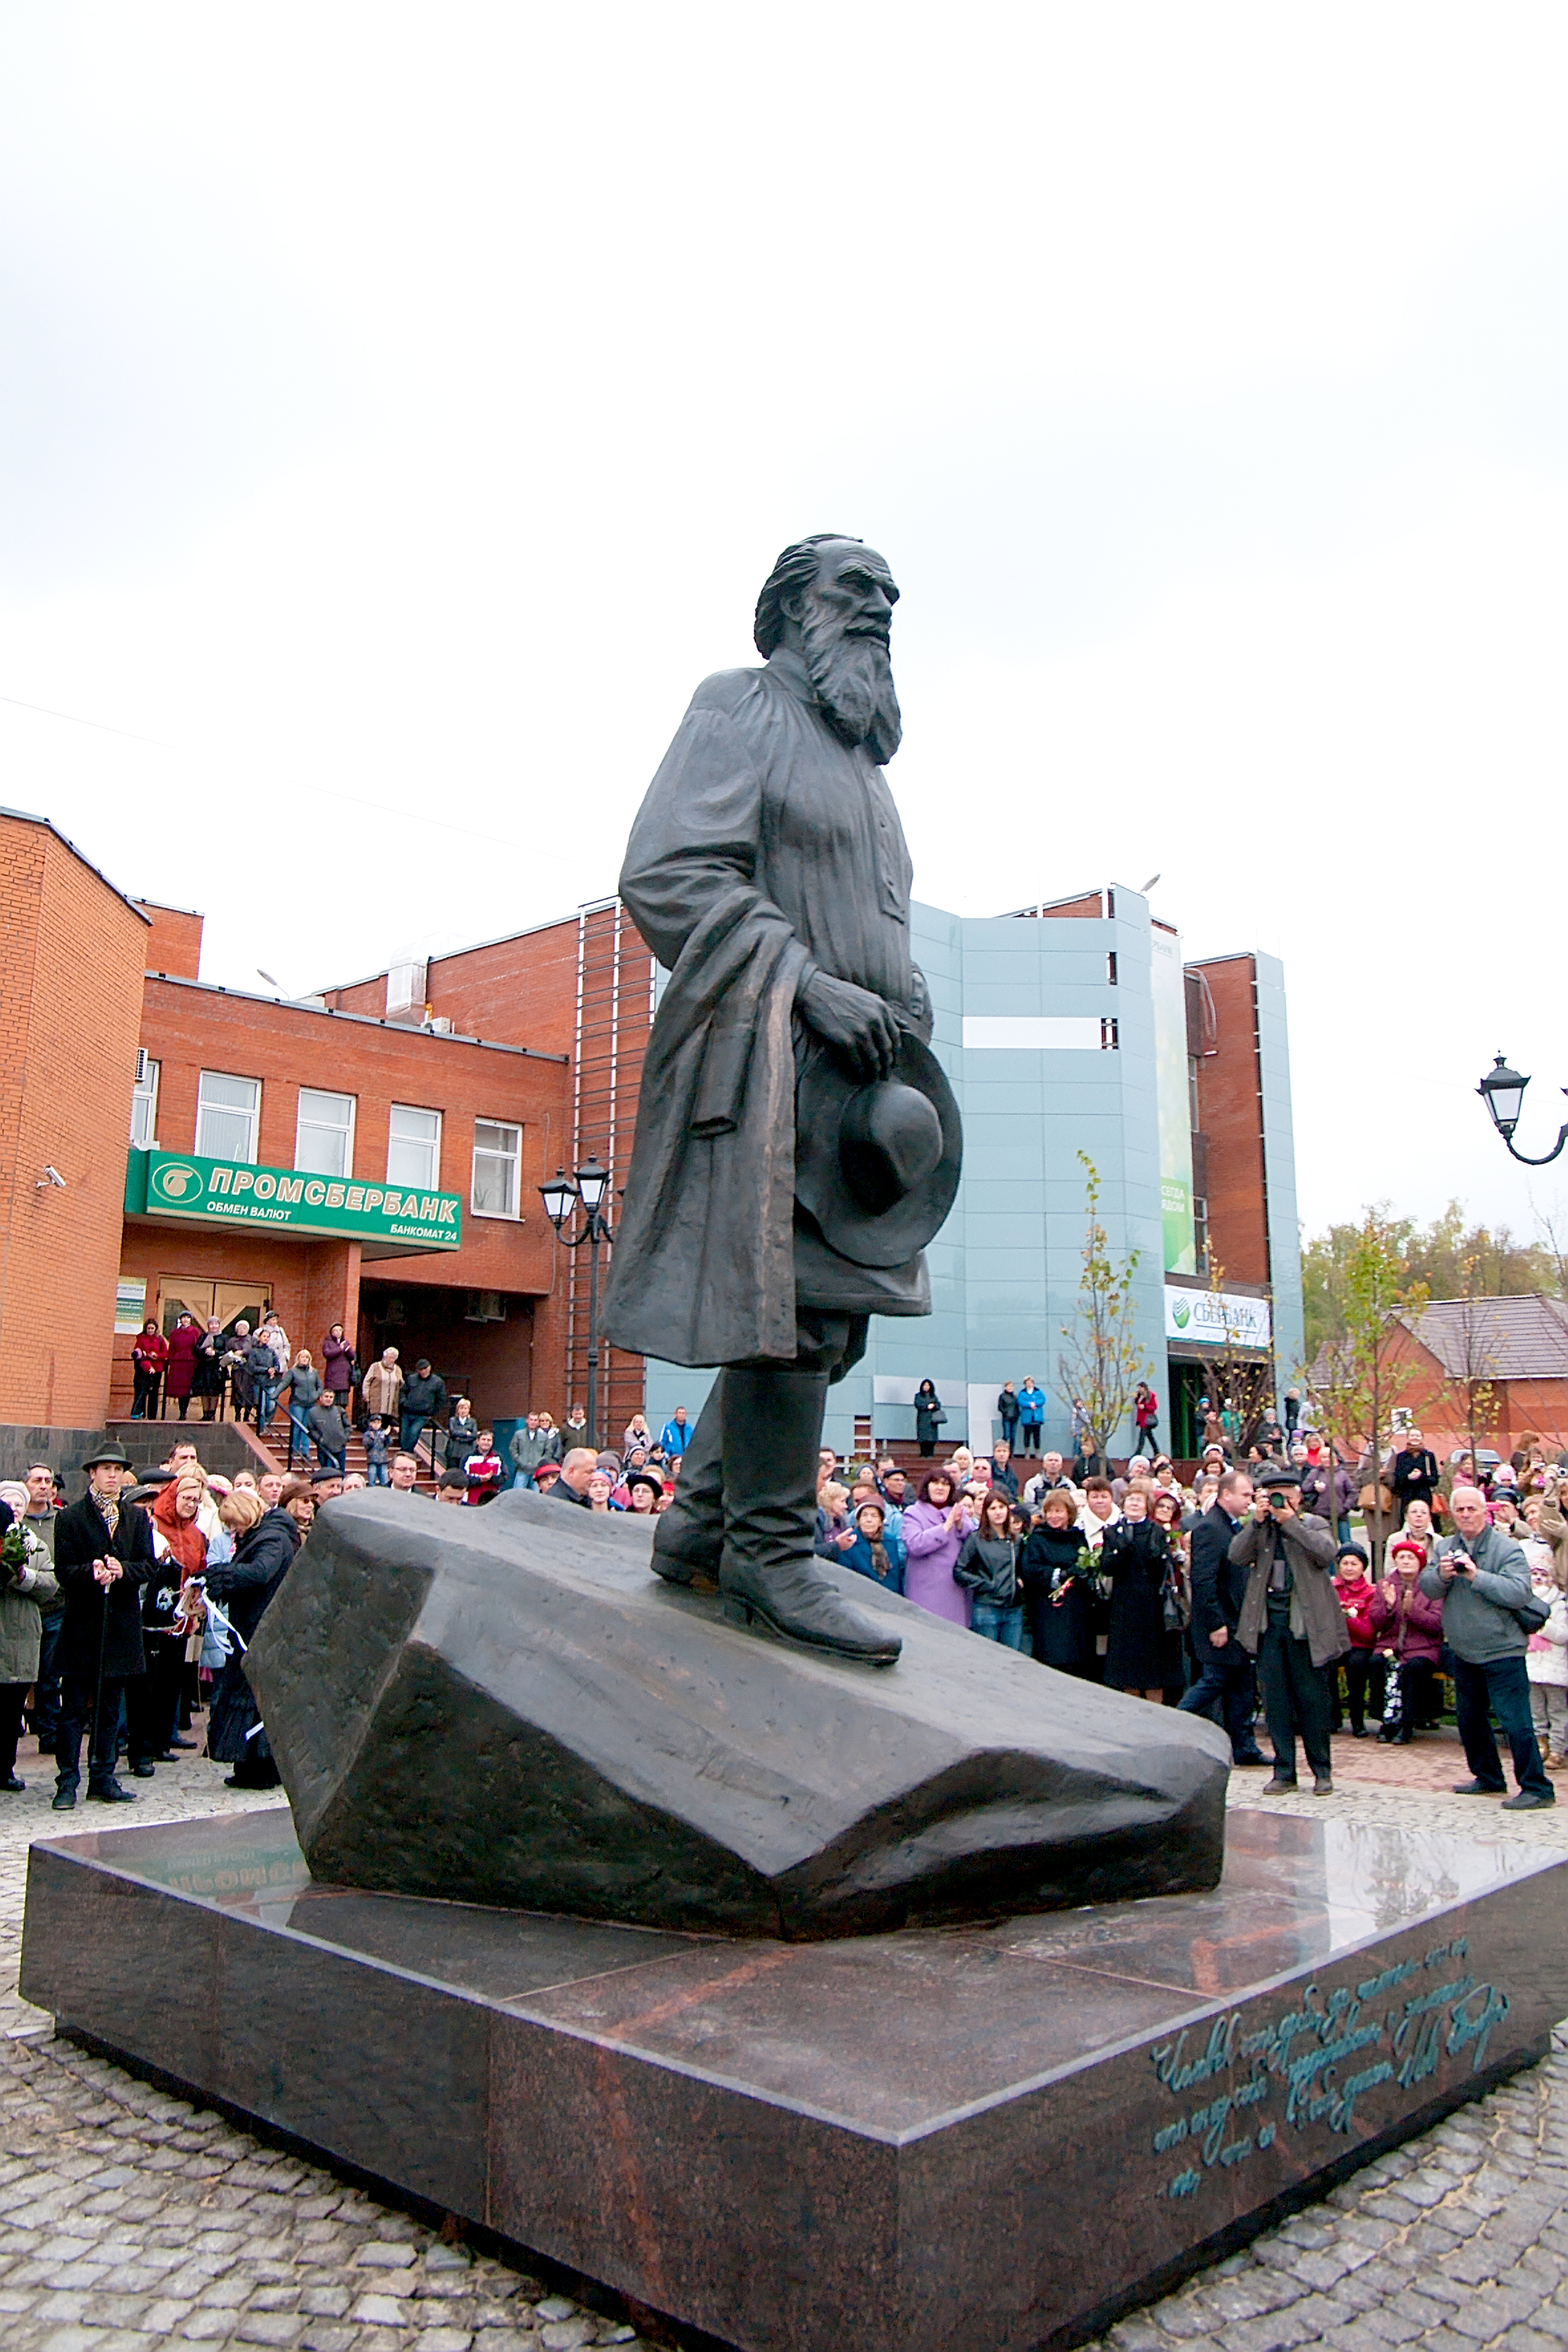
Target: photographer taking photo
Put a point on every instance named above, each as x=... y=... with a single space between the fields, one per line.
x=1291 y=1623
x=1482 y=1579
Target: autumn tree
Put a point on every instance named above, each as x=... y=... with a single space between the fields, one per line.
x=1447 y=1258
x=1103 y=1363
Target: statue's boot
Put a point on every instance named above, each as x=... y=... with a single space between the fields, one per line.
x=769 y=1575
x=688 y=1538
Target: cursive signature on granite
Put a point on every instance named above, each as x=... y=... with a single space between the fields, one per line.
x=1305 y=2059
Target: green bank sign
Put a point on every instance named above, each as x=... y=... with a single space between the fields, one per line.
x=282 y=1199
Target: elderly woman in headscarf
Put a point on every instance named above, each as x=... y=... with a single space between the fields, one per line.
x=27 y=1588
x=180 y=1549
x=265 y=1545
x=876 y=1551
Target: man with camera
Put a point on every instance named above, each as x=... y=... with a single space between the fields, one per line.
x=1291 y=1623
x=1482 y=1579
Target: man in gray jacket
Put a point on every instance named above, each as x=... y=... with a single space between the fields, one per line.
x=1482 y=1579
x=1291 y=1623
x=530 y=1446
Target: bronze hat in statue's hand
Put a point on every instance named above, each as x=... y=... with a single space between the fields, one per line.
x=877 y=1166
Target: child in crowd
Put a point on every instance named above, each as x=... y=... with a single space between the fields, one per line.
x=1546 y=1663
x=483 y=1469
x=375 y=1470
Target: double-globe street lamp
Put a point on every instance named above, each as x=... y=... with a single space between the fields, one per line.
x=585 y=1189
x=1502 y=1091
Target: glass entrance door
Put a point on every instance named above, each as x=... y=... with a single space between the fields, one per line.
x=199 y=1294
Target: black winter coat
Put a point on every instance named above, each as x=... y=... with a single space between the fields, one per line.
x=243 y=1586
x=1219 y=1587
x=81 y=1536
x=1059 y=1601
x=1139 y=1653
x=1413 y=1477
x=425 y=1396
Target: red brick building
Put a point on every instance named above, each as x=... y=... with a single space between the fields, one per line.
x=1501 y=1364
x=67 y=1058
x=348 y=1096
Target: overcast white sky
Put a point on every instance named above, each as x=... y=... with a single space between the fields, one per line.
x=400 y=408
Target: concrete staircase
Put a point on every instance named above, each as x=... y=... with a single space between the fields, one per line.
x=275 y=1446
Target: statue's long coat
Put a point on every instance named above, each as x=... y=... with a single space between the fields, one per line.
x=765 y=847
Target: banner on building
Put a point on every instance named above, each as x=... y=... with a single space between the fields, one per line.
x=130 y=1303
x=1217 y=1319
x=1174 y=1100
x=287 y=1201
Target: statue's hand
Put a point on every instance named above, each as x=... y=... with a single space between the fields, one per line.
x=859 y=1025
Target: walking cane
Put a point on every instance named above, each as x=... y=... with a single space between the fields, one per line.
x=97 y=1702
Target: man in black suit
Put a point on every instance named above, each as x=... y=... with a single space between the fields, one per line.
x=103 y=1557
x=1217 y=1590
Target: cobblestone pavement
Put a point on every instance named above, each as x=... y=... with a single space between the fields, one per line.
x=128 y=2220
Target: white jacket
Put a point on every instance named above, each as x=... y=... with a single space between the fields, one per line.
x=1546 y=1655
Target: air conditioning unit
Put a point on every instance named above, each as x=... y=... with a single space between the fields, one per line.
x=439 y=1024
x=140 y=1066
x=486 y=1307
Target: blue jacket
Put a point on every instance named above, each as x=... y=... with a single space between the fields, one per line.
x=859 y=1558
x=1031 y=1407
x=675 y=1438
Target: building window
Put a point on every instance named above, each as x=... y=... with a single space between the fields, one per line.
x=414 y=1149
x=227 y=1112
x=144 y=1109
x=324 y=1136
x=498 y=1152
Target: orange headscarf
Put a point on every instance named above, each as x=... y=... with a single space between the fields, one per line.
x=183 y=1536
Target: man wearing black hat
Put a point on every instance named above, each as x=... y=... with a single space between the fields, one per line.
x=1291 y=1623
x=797 y=1145
x=104 y=1556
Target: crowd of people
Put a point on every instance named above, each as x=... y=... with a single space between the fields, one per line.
x=126 y=1613
x=1246 y=1591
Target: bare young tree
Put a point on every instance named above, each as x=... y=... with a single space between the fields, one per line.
x=1103 y=1363
x=1362 y=1369
x=1241 y=1381
x=1472 y=1386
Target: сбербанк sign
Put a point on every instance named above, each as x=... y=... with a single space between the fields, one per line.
x=289 y=1199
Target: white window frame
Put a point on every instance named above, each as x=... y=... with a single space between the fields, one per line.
x=320 y=1127
x=431 y=1184
x=228 y=1110
x=145 y=1093
x=514 y=1160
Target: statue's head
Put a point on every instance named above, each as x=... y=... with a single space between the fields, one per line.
x=830 y=599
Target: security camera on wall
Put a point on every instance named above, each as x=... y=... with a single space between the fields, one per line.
x=50 y=1176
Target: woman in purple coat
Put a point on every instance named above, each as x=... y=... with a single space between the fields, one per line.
x=933 y=1531
x=337 y=1363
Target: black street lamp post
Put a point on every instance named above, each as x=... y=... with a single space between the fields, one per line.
x=585 y=1189
x=1502 y=1091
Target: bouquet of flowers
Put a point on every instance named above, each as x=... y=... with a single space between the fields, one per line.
x=1085 y=1569
x=20 y=1548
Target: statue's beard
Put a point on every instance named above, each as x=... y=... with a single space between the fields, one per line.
x=852 y=677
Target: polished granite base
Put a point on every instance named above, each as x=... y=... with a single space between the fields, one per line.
x=981 y=2135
